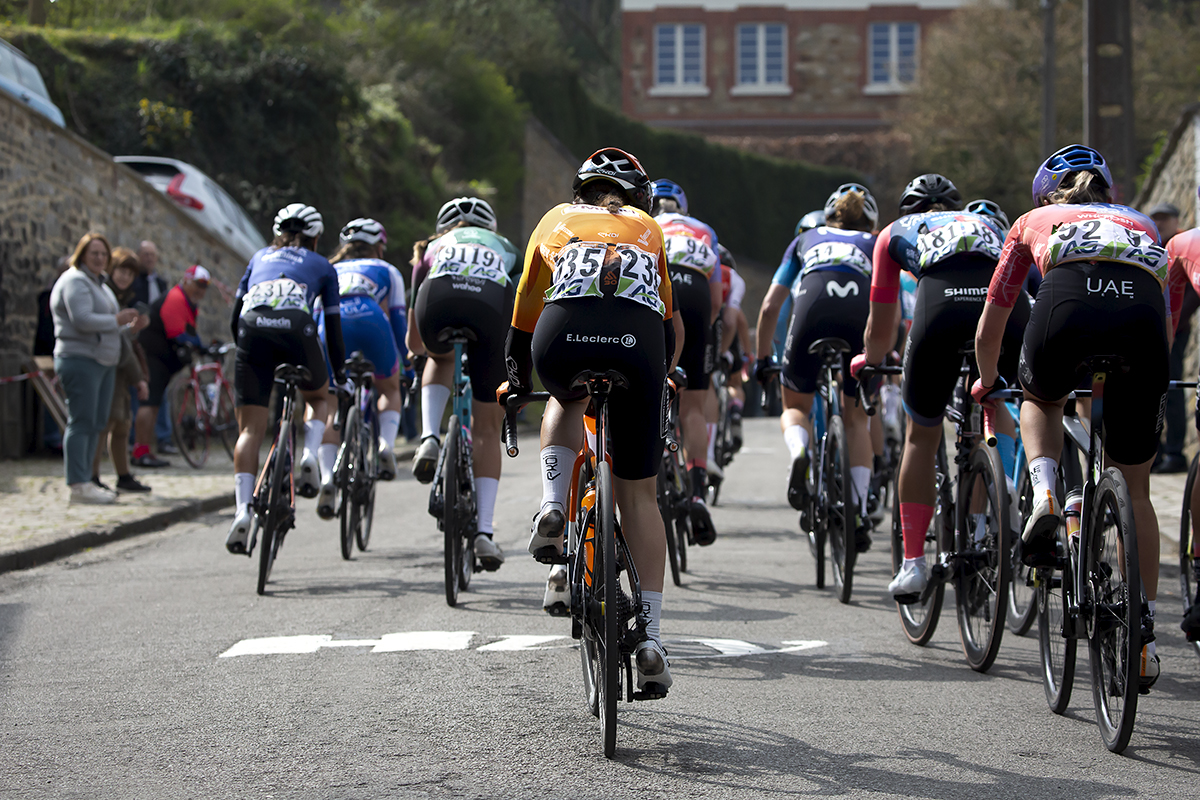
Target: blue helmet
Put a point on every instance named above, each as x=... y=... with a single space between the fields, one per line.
x=989 y=208
x=813 y=219
x=1072 y=158
x=669 y=189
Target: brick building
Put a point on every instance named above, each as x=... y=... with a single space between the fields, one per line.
x=772 y=68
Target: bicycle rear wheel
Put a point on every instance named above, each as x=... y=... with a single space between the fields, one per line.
x=606 y=572
x=190 y=430
x=352 y=473
x=919 y=620
x=1189 y=519
x=1022 y=592
x=225 y=426
x=278 y=469
x=666 y=509
x=1115 y=627
x=985 y=557
x=451 y=534
x=366 y=515
x=1057 y=651
x=839 y=508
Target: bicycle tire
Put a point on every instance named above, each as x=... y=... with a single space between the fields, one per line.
x=1056 y=651
x=1022 y=593
x=190 y=429
x=225 y=423
x=667 y=512
x=982 y=577
x=1115 y=627
x=467 y=514
x=919 y=620
x=839 y=512
x=348 y=512
x=451 y=536
x=1187 y=522
x=273 y=518
x=582 y=538
x=606 y=553
x=366 y=516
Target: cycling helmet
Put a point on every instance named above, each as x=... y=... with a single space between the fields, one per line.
x=621 y=168
x=299 y=218
x=363 y=229
x=669 y=189
x=870 y=207
x=471 y=210
x=726 y=256
x=813 y=219
x=988 y=208
x=926 y=190
x=1072 y=158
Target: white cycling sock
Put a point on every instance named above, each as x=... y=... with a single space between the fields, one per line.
x=796 y=439
x=486 y=490
x=243 y=488
x=652 y=605
x=389 y=427
x=434 y=397
x=712 y=441
x=557 y=461
x=314 y=429
x=1043 y=475
x=326 y=456
x=860 y=479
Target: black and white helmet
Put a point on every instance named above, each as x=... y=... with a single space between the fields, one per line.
x=299 y=218
x=870 y=207
x=613 y=164
x=926 y=190
x=471 y=210
x=363 y=229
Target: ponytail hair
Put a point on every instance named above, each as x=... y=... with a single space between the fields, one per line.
x=849 y=212
x=1078 y=188
x=350 y=251
x=604 y=194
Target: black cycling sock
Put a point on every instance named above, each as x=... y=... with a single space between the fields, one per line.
x=699 y=481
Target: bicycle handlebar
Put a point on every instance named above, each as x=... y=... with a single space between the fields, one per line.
x=864 y=375
x=512 y=405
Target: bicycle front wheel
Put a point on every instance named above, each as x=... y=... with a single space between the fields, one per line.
x=1056 y=649
x=919 y=620
x=366 y=498
x=606 y=555
x=278 y=470
x=1022 y=592
x=190 y=430
x=985 y=557
x=451 y=534
x=839 y=508
x=1115 y=626
x=1189 y=520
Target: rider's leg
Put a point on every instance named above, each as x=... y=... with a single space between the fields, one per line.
x=252 y=426
x=917 y=485
x=390 y=404
x=797 y=434
x=1145 y=522
x=858 y=440
x=435 y=393
x=645 y=536
x=485 y=439
x=695 y=436
x=712 y=408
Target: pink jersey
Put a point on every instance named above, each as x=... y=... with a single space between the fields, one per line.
x=1184 y=253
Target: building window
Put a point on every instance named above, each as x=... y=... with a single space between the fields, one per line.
x=761 y=55
x=679 y=60
x=892 y=56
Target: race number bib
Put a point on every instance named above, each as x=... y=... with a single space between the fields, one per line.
x=960 y=236
x=688 y=251
x=1105 y=240
x=355 y=283
x=469 y=260
x=283 y=294
x=591 y=269
x=827 y=255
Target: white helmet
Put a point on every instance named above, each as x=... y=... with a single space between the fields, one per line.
x=363 y=229
x=299 y=218
x=470 y=210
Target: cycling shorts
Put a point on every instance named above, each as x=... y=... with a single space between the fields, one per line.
x=827 y=303
x=162 y=369
x=366 y=329
x=479 y=305
x=695 y=309
x=603 y=333
x=267 y=338
x=945 y=315
x=1086 y=309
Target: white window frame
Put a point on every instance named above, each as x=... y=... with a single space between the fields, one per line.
x=893 y=85
x=679 y=88
x=760 y=86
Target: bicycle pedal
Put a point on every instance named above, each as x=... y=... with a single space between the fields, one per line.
x=907 y=599
x=558 y=609
x=549 y=555
x=651 y=691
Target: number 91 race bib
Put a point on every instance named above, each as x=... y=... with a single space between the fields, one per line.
x=469 y=260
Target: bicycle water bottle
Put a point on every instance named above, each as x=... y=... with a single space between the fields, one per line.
x=589 y=534
x=1071 y=511
x=211 y=391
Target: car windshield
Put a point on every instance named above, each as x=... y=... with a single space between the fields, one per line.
x=30 y=77
x=8 y=67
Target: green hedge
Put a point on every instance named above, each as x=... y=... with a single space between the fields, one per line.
x=753 y=202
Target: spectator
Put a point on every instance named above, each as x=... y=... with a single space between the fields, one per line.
x=131 y=375
x=149 y=286
x=87 y=323
x=1170 y=450
x=167 y=340
x=43 y=345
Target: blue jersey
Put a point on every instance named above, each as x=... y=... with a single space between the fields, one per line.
x=288 y=278
x=379 y=281
x=825 y=248
x=920 y=241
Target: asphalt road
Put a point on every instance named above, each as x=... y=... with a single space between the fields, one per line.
x=120 y=676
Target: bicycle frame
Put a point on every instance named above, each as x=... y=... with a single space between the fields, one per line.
x=460 y=394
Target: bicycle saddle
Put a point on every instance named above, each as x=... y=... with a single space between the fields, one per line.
x=290 y=373
x=358 y=366
x=455 y=335
x=591 y=379
x=1106 y=364
x=832 y=342
x=968 y=348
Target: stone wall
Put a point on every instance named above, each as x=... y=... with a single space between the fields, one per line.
x=58 y=187
x=549 y=172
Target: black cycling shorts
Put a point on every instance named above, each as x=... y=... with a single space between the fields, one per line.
x=267 y=338
x=1085 y=309
x=949 y=302
x=479 y=305
x=161 y=373
x=690 y=287
x=827 y=303
x=610 y=333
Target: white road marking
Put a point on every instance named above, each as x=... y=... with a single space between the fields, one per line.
x=521 y=642
x=424 y=640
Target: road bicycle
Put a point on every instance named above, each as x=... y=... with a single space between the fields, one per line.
x=1189 y=530
x=1022 y=590
x=202 y=406
x=1091 y=588
x=674 y=491
x=969 y=538
x=606 y=597
x=356 y=469
x=274 y=502
x=452 y=501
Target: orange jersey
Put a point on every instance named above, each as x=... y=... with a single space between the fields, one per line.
x=587 y=251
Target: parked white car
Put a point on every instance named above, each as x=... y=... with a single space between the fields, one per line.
x=202 y=198
x=20 y=78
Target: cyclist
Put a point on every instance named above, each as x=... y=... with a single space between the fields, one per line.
x=463 y=278
x=830 y=268
x=595 y=293
x=989 y=208
x=735 y=335
x=952 y=255
x=374 y=322
x=813 y=219
x=273 y=324
x=695 y=267
x=1105 y=277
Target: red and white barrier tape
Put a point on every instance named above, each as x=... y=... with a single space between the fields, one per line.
x=18 y=378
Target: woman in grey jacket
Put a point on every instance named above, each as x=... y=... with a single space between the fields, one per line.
x=87 y=347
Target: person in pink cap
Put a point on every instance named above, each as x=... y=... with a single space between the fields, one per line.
x=167 y=342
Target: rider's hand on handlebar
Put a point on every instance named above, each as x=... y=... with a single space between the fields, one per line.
x=765 y=370
x=981 y=392
x=505 y=391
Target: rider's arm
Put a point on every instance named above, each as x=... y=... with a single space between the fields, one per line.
x=334 y=345
x=1007 y=283
x=531 y=293
x=1177 y=280
x=884 y=316
x=768 y=316
x=397 y=315
x=716 y=292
